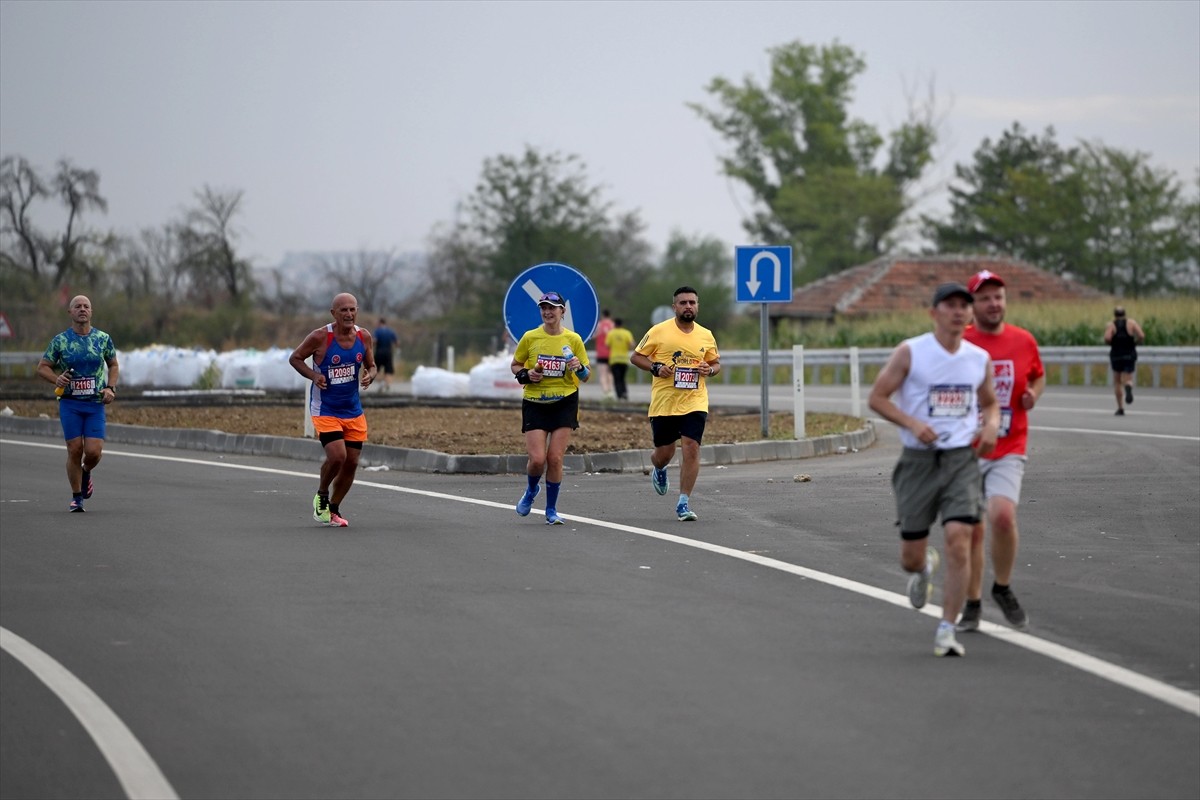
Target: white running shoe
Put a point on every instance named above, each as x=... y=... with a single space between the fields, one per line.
x=920 y=584
x=944 y=643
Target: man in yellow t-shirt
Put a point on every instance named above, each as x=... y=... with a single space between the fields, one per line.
x=681 y=355
x=620 y=342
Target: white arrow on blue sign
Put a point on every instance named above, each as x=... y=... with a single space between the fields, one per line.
x=763 y=274
x=521 y=312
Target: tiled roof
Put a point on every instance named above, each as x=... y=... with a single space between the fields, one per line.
x=902 y=283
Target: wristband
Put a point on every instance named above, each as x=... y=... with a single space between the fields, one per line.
x=655 y=367
x=112 y=389
x=522 y=376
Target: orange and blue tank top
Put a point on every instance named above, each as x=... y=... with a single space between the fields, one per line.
x=341 y=367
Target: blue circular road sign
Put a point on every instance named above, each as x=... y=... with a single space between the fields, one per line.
x=520 y=301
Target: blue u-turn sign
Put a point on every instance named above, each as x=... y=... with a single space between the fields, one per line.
x=763 y=274
x=520 y=302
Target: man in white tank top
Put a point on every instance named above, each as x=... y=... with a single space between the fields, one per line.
x=937 y=380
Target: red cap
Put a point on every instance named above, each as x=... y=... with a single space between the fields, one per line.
x=980 y=278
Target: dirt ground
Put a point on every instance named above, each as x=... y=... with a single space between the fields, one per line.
x=471 y=430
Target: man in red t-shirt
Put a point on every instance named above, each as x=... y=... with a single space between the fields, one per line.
x=1019 y=380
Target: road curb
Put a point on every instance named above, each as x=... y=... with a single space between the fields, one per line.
x=407 y=459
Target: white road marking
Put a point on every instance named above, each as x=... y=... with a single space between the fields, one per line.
x=139 y=776
x=1178 y=698
x=1118 y=433
x=1108 y=412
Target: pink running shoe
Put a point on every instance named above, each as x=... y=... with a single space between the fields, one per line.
x=337 y=521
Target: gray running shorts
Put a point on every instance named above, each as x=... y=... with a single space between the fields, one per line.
x=1002 y=476
x=932 y=482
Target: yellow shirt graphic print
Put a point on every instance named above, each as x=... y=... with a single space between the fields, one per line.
x=540 y=348
x=685 y=391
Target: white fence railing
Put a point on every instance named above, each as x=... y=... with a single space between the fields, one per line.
x=741 y=366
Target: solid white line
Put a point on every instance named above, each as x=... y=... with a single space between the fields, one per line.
x=1171 y=695
x=1118 y=433
x=139 y=776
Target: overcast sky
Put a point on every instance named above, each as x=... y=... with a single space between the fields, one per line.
x=362 y=124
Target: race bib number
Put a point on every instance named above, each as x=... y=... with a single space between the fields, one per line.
x=1003 y=379
x=342 y=374
x=81 y=387
x=1005 y=422
x=687 y=378
x=950 y=401
x=552 y=366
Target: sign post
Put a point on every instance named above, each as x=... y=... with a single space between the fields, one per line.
x=773 y=265
x=520 y=301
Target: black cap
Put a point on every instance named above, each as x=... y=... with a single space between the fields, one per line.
x=948 y=290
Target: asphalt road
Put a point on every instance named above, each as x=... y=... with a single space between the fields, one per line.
x=443 y=647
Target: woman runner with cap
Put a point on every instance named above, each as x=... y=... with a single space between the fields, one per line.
x=550 y=362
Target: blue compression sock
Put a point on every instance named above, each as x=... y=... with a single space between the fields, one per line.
x=552 y=494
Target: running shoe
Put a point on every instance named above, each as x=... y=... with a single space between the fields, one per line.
x=944 y=643
x=88 y=486
x=684 y=513
x=552 y=517
x=76 y=505
x=526 y=501
x=920 y=585
x=1120 y=412
x=658 y=477
x=1128 y=394
x=1012 y=609
x=321 y=509
x=336 y=521
x=969 y=621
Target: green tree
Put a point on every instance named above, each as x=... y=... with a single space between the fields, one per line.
x=529 y=209
x=812 y=170
x=702 y=262
x=1093 y=212
x=1138 y=220
x=1022 y=197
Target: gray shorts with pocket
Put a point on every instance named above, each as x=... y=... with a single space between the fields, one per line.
x=932 y=482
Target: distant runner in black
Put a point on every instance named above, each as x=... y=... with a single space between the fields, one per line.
x=1123 y=335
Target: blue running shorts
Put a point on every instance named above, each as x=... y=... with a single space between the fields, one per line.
x=81 y=418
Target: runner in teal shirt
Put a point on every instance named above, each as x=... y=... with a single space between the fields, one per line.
x=82 y=364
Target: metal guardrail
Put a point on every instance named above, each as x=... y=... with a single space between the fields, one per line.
x=820 y=363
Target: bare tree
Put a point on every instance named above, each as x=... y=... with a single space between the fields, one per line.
x=365 y=274
x=20 y=186
x=208 y=237
x=79 y=190
x=280 y=294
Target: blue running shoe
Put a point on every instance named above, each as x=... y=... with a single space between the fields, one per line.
x=658 y=477
x=684 y=513
x=526 y=501
x=76 y=505
x=552 y=517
